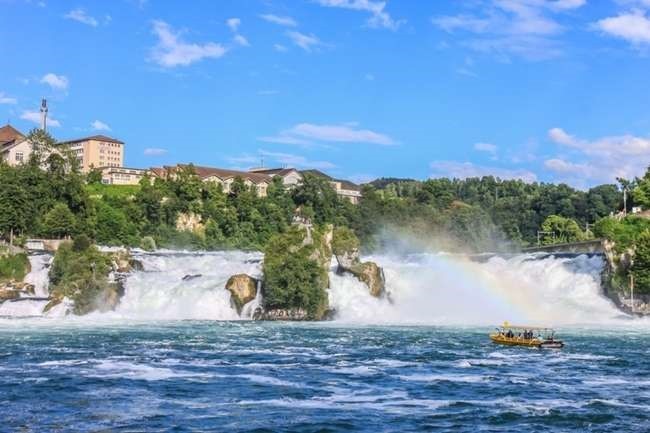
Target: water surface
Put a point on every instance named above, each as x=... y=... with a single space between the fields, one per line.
x=274 y=377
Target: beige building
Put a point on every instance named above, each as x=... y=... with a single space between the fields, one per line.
x=121 y=175
x=290 y=176
x=344 y=188
x=260 y=182
x=14 y=147
x=97 y=151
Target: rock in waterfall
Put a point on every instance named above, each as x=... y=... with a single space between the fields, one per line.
x=243 y=289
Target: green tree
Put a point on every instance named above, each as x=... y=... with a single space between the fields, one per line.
x=641 y=266
x=641 y=194
x=561 y=230
x=59 y=222
x=94 y=177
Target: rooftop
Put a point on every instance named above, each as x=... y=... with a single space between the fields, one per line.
x=9 y=133
x=94 y=137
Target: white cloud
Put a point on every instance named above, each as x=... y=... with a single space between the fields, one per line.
x=155 y=151
x=306 y=42
x=4 y=99
x=297 y=161
x=486 y=147
x=280 y=48
x=35 y=117
x=463 y=170
x=58 y=82
x=240 y=40
x=378 y=15
x=171 y=51
x=308 y=133
x=634 y=27
x=559 y=136
x=524 y=28
x=600 y=160
x=278 y=158
x=98 y=125
x=81 y=16
x=233 y=23
x=280 y=20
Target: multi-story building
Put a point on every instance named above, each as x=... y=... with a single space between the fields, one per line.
x=97 y=151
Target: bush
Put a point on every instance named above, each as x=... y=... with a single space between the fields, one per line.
x=80 y=275
x=14 y=267
x=641 y=266
x=147 y=243
x=81 y=243
x=344 y=240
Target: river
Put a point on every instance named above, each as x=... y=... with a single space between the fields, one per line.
x=175 y=356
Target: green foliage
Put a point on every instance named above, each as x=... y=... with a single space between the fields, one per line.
x=79 y=275
x=81 y=243
x=560 y=230
x=624 y=232
x=641 y=193
x=641 y=266
x=13 y=267
x=344 y=240
x=292 y=278
x=148 y=243
x=59 y=222
x=94 y=177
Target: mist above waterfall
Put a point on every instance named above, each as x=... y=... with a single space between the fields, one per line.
x=456 y=289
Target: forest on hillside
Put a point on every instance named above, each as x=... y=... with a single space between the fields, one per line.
x=49 y=197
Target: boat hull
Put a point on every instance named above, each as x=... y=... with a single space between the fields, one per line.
x=534 y=342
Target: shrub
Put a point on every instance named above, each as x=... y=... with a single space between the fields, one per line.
x=14 y=267
x=344 y=240
x=80 y=275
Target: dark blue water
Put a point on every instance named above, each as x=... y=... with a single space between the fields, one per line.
x=252 y=377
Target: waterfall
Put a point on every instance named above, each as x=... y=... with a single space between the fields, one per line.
x=38 y=276
x=424 y=289
x=177 y=285
x=457 y=289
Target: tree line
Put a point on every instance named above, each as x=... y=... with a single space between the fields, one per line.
x=48 y=196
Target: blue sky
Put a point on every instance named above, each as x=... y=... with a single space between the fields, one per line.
x=546 y=90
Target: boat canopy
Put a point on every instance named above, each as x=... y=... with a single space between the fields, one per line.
x=507 y=325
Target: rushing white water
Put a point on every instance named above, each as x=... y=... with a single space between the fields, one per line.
x=454 y=289
x=186 y=286
x=38 y=276
x=424 y=289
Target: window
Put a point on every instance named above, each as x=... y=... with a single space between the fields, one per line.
x=19 y=156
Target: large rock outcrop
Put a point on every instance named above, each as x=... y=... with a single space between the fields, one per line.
x=296 y=265
x=243 y=289
x=346 y=251
x=189 y=222
x=616 y=281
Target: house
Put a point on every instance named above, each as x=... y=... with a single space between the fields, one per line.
x=344 y=188
x=15 y=149
x=259 y=181
x=290 y=176
x=121 y=175
x=97 y=151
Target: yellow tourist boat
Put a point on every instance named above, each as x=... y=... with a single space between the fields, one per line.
x=527 y=336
